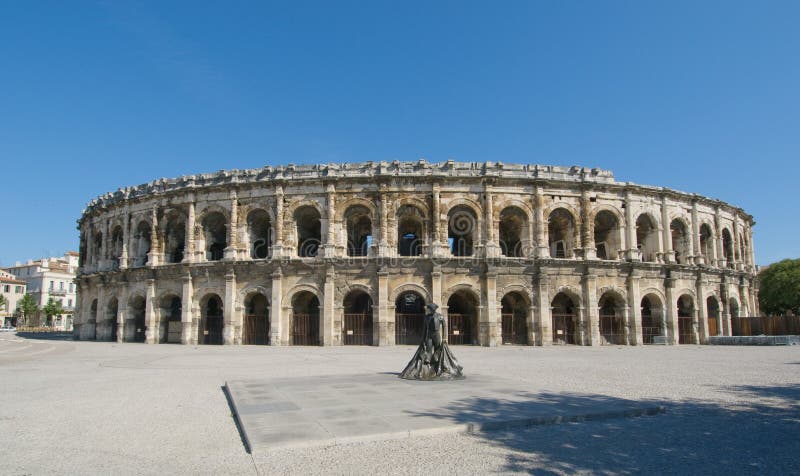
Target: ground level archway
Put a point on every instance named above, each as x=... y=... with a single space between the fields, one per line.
x=514 y=314
x=357 y=318
x=256 y=320
x=305 y=319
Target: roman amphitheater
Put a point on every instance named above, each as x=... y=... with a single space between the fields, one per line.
x=349 y=254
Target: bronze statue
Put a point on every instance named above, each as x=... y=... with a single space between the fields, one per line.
x=433 y=359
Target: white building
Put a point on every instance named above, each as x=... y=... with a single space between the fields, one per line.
x=12 y=289
x=51 y=278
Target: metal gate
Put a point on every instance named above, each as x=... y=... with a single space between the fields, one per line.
x=256 y=330
x=612 y=329
x=515 y=329
x=305 y=329
x=357 y=329
x=459 y=329
x=685 y=330
x=408 y=328
x=651 y=328
x=563 y=329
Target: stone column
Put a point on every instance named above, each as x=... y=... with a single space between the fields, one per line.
x=150 y=334
x=126 y=219
x=587 y=227
x=492 y=246
x=122 y=311
x=277 y=243
x=699 y=322
x=542 y=249
x=187 y=334
x=634 y=304
x=720 y=261
x=590 y=325
x=101 y=329
x=489 y=327
x=697 y=252
x=544 y=316
x=154 y=254
x=751 y=249
x=438 y=236
x=631 y=252
x=229 y=309
x=229 y=254
x=385 y=324
x=326 y=329
x=736 y=248
x=189 y=254
x=671 y=315
x=383 y=244
x=275 y=315
x=724 y=325
x=330 y=237
x=669 y=246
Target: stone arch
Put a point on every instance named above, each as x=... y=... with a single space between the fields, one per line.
x=305 y=316
x=733 y=307
x=115 y=245
x=647 y=236
x=214 y=227
x=411 y=286
x=515 y=309
x=727 y=247
x=680 y=238
x=515 y=288
x=110 y=319
x=512 y=202
x=260 y=233
x=608 y=229
x=297 y=288
x=142 y=241
x=135 y=318
x=562 y=232
x=513 y=230
x=620 y=293
x=713 y=314
x=707 y=240
x=412 y=229
x=686 y=310
x=256 y=317
x=308 y=230
x=169 y=308
x=463 y=229
x=308 y=202
x=572 y=292
x=341 y=207
x=565 y=317
x=357 y=306
x=409 y=312
x=463 y=307
x=653 y=316
x=359 y=223
x=612 y=313
x=351 y=287
x=173 y=235
x=212 y=321
x=461 y=201
x=252 y=289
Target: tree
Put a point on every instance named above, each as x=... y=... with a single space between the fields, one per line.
x=52 y=308
x=779 y=289
x=27 y=307
x=3 y=302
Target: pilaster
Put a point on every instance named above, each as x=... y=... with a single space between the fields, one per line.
x=229 y=309
x=187 y=334
x=149 y=313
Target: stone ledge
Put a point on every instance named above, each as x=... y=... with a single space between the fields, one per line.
x=754 y=340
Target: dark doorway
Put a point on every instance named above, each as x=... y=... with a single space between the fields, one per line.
x=305 y=319
x=462 y=318
x=256 y=320
x=515 y=318
x=212 y=321
x=409 y=315
x=357 y=319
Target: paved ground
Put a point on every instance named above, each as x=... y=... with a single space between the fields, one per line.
x=89 y=408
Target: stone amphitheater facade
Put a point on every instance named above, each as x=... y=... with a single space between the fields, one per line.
x=350 y=253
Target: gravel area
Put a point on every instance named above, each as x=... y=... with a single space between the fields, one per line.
x=88 y=408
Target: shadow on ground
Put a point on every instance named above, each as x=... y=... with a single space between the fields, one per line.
x=755 y=434
x=46 y=335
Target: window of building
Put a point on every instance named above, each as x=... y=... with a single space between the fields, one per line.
x=70 y=287
x=7 y=288
x=61 y=285
x=52 y=285
x=18 y=290
x=69 y=303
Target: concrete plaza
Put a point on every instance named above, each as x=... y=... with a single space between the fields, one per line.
x=90 y=408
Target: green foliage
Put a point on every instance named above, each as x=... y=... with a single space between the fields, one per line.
x=3 y=301
x=52 y=308
x=28 y=307
x=779 y=290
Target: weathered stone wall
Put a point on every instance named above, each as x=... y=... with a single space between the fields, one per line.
x=482 y=236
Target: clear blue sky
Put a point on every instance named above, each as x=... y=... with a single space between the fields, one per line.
x=699 y=96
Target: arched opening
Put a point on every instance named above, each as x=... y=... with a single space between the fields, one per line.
x=514 y=313
x=110 y=324
x=712 y=314
x=309 y=234
x=170 y=320
x=685 y=318
x=409 y=231
x=359 y=230
x=357 y=318
x=727 y=247
x=116 y=245
x=211 y=321
x=606 y=235
x=462 y=318
x=706 y=243
x=216 y=235
x=647 y=237
x=259 y=234
x=680 y=241
x=97 y=248
x=513 y=231
x=82 y=251
x=652 y=319
x=93 y=319
x=462 y=228
x=561 y=233
x=141 y=243
x=135 y=324
x=409 y=318
x=733 y=307
x=565 y=320
x=256 y=320
x=174 y=238
x=612 y=319
x=305 y=319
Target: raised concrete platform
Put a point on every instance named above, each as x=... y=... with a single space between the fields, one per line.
x=754 y=340
x=330 y=410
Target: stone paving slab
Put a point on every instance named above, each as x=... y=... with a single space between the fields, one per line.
x=329 y=410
